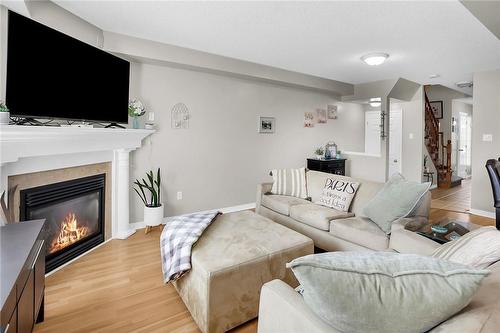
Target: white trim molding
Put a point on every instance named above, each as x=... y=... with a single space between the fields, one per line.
x=225 y=210
x=484 y=213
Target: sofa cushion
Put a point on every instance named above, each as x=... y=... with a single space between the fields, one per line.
x=384 y=292
x=316 y=216
x=483 y=312
x=478 y=248
x=338 y=194
x=282 y=203
x=397 y=199
x=362 y=231
x=366 y=191
x=290 y=182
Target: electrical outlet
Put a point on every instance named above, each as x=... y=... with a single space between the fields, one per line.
x=487 y=137
x=179 y=195
x=151 y=116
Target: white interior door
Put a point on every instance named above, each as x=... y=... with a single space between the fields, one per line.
x=464 y=145
x=395 y=141
x=372 y=132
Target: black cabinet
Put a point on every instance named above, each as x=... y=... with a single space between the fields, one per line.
x=335 y=166
x=23 y=276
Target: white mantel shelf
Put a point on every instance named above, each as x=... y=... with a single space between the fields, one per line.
x=29 y=141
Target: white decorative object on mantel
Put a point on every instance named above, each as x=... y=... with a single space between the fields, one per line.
x=27 y=149
x=180 y=116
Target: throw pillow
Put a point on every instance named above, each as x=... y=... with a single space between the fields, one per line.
x=479 y=248
x=338 y=194
x=291 y=182
x=395 y=200
x=384 y=292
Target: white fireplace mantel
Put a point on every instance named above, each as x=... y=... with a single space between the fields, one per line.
x=29 y=141
x=26 y=149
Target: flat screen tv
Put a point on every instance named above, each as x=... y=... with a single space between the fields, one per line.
x=52 y=75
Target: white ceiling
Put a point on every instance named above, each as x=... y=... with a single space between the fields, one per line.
x=325 y=39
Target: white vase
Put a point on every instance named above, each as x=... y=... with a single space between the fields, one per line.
x=153 y=216
x=319 y=157
x=4 y=118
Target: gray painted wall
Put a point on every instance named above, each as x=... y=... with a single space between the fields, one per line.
x=221 y=158
x=486 y=120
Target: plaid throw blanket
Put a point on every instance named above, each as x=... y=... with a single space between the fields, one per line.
x=177 y=239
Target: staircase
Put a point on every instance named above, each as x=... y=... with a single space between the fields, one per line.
x=439 y=152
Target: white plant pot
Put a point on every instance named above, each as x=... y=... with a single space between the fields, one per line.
x=153 y=216
x=319 y=157
x=4 y=118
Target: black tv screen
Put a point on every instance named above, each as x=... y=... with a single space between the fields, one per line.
x=52 y=75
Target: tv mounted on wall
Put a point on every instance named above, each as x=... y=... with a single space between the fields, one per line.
x=52 y=75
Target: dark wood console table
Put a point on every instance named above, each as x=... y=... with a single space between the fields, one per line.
x=22 y=291
x=335 y=166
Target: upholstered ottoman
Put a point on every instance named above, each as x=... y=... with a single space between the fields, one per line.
x=231 y=261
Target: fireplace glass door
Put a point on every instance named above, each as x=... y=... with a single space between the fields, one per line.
x=73 y=212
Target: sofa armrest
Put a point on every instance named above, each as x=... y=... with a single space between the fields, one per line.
x=283 y=310
x=404 y=238
x=261 y=190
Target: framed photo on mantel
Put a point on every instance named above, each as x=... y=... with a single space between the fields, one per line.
x=437 y=109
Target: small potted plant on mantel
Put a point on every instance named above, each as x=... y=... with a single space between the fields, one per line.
x=150 y=193
x=4 y=114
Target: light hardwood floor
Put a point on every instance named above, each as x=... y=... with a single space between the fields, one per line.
x=118 y=288
x=454 y=199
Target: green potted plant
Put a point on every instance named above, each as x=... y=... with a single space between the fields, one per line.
x=149 y=190
x=319 y=153
x=4 y=114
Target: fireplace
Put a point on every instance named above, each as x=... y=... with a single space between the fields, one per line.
x=74 y=213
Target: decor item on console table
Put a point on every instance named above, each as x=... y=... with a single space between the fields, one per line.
x=4 y=114
x=319 y=153
x=135 y=110
x=153 y=208
x=330 y=150
x=335 y=166
x=22 y=259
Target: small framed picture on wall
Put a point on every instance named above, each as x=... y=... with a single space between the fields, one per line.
x=267 y=124
x=332 y=111
x=437 y=109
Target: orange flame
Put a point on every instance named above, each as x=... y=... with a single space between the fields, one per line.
x=69 y=234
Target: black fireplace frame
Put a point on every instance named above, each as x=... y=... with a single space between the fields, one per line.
x=45 y=195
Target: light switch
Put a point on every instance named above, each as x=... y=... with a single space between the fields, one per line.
x=151 y=116
x=487 y=137
x=410 y=136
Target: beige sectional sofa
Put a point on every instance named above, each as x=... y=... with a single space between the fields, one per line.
x=333 y=230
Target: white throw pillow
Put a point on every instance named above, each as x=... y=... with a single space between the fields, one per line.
x=479 y=248
x=291 y=182
x=338 y=194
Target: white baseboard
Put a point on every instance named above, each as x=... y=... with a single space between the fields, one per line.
x=433 y=186
x=225 y=210
x=484 y=213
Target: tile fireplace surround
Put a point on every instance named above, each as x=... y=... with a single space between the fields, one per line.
x=31 y=156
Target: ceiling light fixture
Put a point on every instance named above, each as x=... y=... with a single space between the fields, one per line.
x=375 y=102
x=434 y=76
x=375 y=59
x=464 y=84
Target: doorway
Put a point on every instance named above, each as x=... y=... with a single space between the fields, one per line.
x=464 y=146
